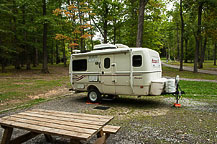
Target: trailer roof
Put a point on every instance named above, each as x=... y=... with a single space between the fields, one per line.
x=111 y=51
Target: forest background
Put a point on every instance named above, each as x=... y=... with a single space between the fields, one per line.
x=47 y=31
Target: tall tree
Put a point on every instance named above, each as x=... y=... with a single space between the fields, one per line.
x=105 y=21
x=139 y=40
x=182 y=36
x=198 y=36
x=45 y=55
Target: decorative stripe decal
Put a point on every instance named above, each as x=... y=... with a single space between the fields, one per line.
x=78 y=77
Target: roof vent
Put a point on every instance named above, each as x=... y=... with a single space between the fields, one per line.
x=121 y=46
x=104 y=46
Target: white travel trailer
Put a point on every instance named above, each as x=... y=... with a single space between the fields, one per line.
x=118 y=70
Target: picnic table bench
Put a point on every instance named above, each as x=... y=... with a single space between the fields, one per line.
x=75 y=126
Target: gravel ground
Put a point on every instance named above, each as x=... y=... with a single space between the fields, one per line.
x=143 y=120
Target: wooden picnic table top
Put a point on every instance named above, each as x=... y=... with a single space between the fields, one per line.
x=72 y=125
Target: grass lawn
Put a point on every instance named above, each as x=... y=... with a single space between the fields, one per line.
x=207 y=65
x=172 y=72
x=199 y=90
x=21 y=86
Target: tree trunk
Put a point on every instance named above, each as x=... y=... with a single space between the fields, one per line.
x=17 y=60
x=2 y=59
x=198 y=37
x=177 y=36
x=91 y=39
x=182 y=37
x=36 y=54
x=82 y=32
x=202 y=54
x=57 y=53
x=52 y=45
x=105 y=25
x=3 y=67
x=44 y=66
x=64 y=54
x=28 y=67
x=114 y=31
x=34 y=58
x=139 y=39
x=186 y=50
x=134 y=22
x=214 y=55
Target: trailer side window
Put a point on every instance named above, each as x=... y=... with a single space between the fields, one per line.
x=79 y=65
x=107 y=63
x=137 y=60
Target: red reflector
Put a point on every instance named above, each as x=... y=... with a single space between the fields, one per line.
x=141 y=86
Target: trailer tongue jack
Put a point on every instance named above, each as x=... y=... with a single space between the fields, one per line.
x=178 y=93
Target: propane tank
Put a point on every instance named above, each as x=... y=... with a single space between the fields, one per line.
x=170 y=86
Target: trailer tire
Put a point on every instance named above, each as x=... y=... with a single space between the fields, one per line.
x=94 y=96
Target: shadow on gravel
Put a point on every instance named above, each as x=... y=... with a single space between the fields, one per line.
x=129 y=102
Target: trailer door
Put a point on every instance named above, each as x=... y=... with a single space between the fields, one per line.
x=107 y=74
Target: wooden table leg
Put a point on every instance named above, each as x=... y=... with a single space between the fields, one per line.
x=24 y=138
x=7 y=135
x=101 y=138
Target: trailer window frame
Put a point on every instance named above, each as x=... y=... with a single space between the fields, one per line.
x=79 y=65
x=107 y=63
x=137 y=60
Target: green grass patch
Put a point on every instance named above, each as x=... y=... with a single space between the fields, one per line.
x=199 y=90
x=207 y=65
x=13 y=89
x=20 y=86
x=172 y=72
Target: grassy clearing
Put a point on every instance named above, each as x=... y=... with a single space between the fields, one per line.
x=207 y=65
x=20 y=86
x=199 y=90
x=172 y=72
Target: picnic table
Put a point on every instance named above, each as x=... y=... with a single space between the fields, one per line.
x=75 y=126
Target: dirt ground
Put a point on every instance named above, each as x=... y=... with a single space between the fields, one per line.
x=142 y=120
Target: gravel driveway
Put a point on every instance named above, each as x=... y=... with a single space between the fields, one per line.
x=143 y=120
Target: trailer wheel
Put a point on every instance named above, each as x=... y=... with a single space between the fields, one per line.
x=94 y=96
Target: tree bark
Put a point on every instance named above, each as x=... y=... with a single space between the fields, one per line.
x=44 y=66
x=105 y=24
x=214 y=55
x=114 y=31
x=133 y=23
x=57 y=53
x=64 y=54
x=36 y=53
x=82 y=32
x=186 y=50
x=182 y=37
x=28 y=67
x=51 y=58
x=198 y=36
x=202 y=54
x=139 y=40
x=91 y=39
x=177 y=36
x=17 y=60
x=2 y=59
x=3 y=67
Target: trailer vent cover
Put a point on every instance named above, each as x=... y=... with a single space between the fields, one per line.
x=104 y=46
